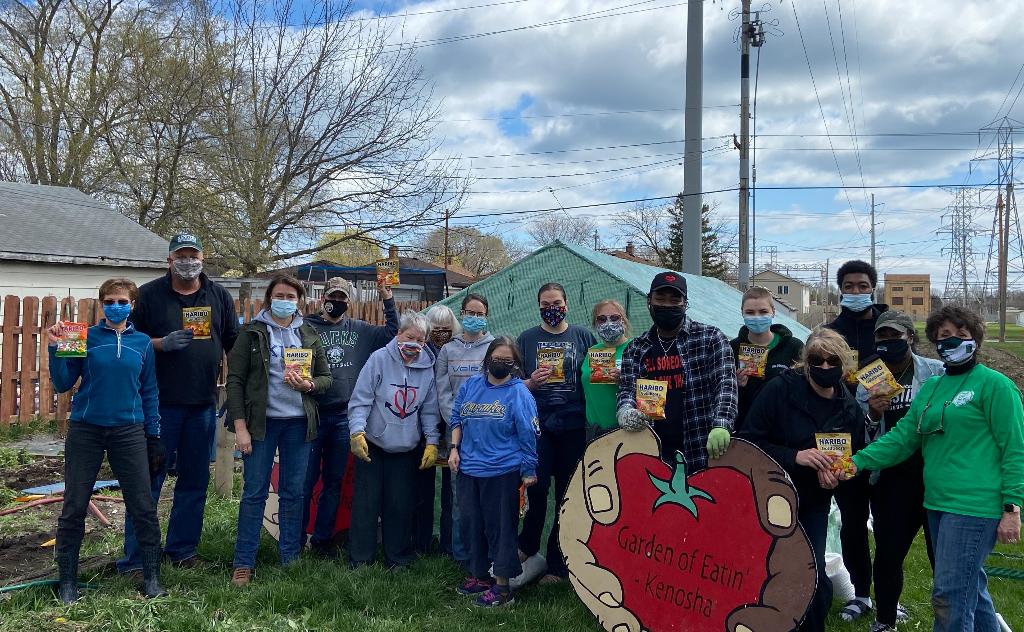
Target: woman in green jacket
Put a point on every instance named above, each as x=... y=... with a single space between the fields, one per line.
x=612 y=329
x=969 y=426
x=274 y=369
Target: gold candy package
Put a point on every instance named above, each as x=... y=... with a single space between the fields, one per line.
x=387 y=271
x=199 y=320
x=602 y=365
x=301 y=359
x=754 y=359
x=878 y=380
x=73 y=344
x=852 y=362
x=554 y=358
x=838 y=444
x=651 y=396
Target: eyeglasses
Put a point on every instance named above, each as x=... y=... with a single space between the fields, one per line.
x=610 y=318
x=469 y=312
x=942 y=419
x=820 y=360
x=109 y=301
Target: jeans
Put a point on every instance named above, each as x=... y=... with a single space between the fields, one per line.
x=423 y=516
x=125 y=447
x=328 y=457
x=491 y=507
x=186 y=433
x=814 y=520
x=287 y=437
x=557 y=456
x=384 y=489
x=960 y=596
x=453 y=527
x=853 y=498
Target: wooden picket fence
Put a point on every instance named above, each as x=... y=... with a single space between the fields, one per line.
x=26 y=392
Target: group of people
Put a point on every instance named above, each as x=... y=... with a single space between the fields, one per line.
x=947 y=454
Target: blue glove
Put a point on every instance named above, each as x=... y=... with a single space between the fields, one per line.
x=177 y=340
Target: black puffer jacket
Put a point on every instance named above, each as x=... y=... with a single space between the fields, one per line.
x=782 y=356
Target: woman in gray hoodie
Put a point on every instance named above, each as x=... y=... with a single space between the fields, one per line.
x=393 y=407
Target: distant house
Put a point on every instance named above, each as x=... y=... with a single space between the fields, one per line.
x=629 y=254
x=60 y=241
x=793 y=292
x=909 y=293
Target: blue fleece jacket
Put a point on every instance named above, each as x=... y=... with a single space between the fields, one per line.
x=499 y=427
x=118 y=379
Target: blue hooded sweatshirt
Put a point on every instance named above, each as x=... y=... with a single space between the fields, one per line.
x=118 y=379
x=499 y=427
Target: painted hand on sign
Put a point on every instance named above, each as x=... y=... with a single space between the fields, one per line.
x=718 y=549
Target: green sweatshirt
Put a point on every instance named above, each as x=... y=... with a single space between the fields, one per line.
x=600 y=398
x=976 y=464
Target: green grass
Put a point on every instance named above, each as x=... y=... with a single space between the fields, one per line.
x=317 y=595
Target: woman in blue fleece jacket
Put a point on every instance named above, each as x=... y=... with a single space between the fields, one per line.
x=494 y=450
x=115 y=411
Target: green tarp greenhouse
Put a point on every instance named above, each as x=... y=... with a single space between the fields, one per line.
x=589 y=277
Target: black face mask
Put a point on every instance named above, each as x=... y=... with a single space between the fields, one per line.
x=667 y=318
x=335 y=307
x=499 y=369
x=892 y=351
x=831 y=377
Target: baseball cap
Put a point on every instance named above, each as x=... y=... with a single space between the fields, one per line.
x=185 y=240
x=338 y=284
x=895 y=320
x=672 y=280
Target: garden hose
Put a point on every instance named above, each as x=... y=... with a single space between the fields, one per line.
x=1004 y=573
x=39 y=583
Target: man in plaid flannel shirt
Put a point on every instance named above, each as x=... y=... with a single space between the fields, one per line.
x=696 y=362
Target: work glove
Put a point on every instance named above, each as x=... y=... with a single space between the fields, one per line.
x=429 y=457
x=718 y=442
x=177 y=340
x=156 y=454
x=632 y=419
x=358 y=446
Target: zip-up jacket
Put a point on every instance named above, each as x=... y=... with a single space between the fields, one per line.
x=118 y=379
x=782 y=356
x=499 y=427
x=859 y=332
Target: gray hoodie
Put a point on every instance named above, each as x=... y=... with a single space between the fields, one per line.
x=395 y=404
x=457 y=361
x=282 y=400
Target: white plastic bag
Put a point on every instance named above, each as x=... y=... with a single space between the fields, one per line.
x=842 y=587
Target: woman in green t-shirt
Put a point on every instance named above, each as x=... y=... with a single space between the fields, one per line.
x=601 y=366
x=969 y=426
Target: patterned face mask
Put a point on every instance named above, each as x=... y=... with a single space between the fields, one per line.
x=954 y=351
x=187 y=269
x=611 y=330
x=553 y=316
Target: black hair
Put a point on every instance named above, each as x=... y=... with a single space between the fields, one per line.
x=476 y=297
x=557 y=287
x=505 y=341
x=857 y=266
x=959 y=317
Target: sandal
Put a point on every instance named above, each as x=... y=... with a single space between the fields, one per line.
x=854 y=609
x=902 y=615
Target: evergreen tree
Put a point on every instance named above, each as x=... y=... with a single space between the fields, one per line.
x=712 y=257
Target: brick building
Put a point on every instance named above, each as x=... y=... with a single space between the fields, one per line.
x=909 y=293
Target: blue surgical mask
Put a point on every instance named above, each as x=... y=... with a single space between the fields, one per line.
x=474 y=324
x=857 y=302
x=283 y=309
x=116 y=314
x=758 y=324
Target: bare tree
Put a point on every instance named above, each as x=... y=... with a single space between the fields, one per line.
x=566 y=228
x=475 y=251
x=646 y=224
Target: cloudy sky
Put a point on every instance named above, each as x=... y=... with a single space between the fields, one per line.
x=585 y=97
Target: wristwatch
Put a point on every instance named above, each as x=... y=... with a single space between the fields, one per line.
x=1011 y=508
x=453 y=446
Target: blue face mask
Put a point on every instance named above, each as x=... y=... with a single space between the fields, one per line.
x=116 y=314
x=283 y=309
x=857 y=302
x=474 y=324
x=758 y=324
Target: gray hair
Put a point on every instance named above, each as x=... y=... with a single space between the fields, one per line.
x=414 y=320
x=442 y=316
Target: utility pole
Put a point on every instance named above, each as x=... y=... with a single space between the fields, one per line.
x=595 y=239
x=447 y=215
x=1002 y=218
x=873 y=231
x=751 y=34
x=692 y=181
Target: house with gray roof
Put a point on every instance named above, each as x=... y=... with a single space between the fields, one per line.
x=60 y=241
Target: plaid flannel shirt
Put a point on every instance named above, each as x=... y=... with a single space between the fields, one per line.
x=709 y=380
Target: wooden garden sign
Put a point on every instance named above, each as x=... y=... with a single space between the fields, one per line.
x=271 y=521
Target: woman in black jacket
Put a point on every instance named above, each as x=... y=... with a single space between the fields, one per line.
x=783 y=421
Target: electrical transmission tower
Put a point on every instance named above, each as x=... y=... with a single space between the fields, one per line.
x=962 y=274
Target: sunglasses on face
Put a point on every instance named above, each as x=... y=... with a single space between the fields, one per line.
x=109 y=301
x=611 y=318
x=816 y=360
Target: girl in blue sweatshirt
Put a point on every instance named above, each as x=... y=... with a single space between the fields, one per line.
x=494 y=450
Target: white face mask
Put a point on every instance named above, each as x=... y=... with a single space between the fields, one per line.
x=187 y=269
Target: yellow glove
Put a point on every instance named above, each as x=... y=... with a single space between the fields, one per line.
x=358 y=446
x=429 y=457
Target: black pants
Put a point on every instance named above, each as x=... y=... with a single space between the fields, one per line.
x=557 y=456
x=423 y=516
x=125 y=447
x=853 y=498
x=384 y=489
x=897 y=504
x=814 y=520
x=491 y=506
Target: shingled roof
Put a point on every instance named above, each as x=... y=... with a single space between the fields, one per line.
x=51 y=224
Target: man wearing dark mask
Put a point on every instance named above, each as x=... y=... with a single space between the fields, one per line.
x=192 y=323
x=896 y=493
x=696 y=362
x=348 y=343
x=856 y=324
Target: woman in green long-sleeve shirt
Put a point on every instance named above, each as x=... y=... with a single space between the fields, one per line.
x=969 y=426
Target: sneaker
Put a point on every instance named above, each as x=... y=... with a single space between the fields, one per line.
x=495 y=598
x=881 y=627
x=855 y=609
x=902 y=616
x=473 y=586
x=241 y=577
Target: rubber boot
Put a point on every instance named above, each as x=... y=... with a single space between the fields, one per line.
x=67 y=567
x=151 y=587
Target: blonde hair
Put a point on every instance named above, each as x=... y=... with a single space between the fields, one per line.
x=757 y=292
x=826 y=342
x=610 y=302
